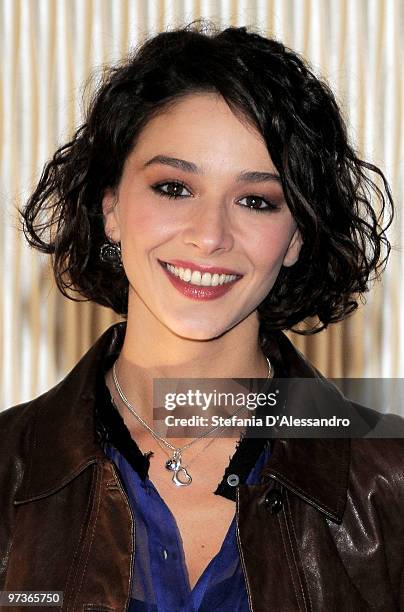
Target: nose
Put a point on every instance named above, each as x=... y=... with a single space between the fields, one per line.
x=210 y=228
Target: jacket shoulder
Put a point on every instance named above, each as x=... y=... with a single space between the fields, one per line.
x=16 y=426
x=14 y=423
x=16 y=419
x=380 y=458
x=381 y=451
x=377 y=462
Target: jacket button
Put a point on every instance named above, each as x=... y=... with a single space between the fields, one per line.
x=274 y=501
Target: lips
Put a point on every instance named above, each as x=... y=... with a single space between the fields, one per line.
x=200 y=282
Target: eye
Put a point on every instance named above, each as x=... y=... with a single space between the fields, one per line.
x=172 y=189
x=258 y=204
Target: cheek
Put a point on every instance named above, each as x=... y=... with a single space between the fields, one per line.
x=144 y=211
x=270 y=248
x=143 y=223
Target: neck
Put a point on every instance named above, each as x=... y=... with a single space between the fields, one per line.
x=152 y=351
x=158 y=351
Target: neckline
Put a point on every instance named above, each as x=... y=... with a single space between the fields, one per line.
x=111 y=428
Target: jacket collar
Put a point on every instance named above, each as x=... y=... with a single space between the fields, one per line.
x=62 y=441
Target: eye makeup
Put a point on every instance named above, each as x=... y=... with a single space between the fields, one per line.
x=175 y=189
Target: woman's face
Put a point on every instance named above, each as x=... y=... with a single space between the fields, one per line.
x=226 y=211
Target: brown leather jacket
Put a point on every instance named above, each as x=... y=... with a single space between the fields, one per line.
x=323 y=531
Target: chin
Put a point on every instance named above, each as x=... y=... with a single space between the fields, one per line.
x=195 y=331
x=197 y=334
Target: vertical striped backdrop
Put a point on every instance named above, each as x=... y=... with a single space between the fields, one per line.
x=49 y=47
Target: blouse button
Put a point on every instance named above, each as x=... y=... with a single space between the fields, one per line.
x=233 y=480
x=165 y=554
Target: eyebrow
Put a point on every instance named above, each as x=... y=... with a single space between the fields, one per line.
x=251 y=176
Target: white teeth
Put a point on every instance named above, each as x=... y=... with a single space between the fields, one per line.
x=215 y=280
x=186 y=275
x=196 y=278
x=206 y=279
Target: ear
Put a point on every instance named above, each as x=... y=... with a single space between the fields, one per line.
x=111 y=215
x=292 y=254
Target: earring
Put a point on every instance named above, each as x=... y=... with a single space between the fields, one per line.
x=110 y=253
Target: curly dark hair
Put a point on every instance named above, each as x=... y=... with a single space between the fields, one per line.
x=338 y=201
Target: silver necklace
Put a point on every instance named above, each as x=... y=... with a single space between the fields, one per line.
x=181 y=477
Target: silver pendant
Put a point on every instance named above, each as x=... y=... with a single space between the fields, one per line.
x=181 y=478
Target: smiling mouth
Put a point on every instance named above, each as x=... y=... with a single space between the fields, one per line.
x=200 y=279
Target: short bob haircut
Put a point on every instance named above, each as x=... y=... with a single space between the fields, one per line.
x=338 y=207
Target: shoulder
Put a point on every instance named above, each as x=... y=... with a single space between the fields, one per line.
x=379 y=453
x=63 y=403
x=18 y=420
x=15 y=423
x=379 y=462
x=16 y=429
x=383 y=438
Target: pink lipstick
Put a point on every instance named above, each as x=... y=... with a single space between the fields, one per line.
x=199 y=292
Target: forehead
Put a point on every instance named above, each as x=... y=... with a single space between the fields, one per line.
x=203 y=125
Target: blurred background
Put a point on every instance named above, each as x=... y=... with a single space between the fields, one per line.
x=48 y=49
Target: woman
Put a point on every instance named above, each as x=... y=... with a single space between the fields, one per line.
x=211 y=198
